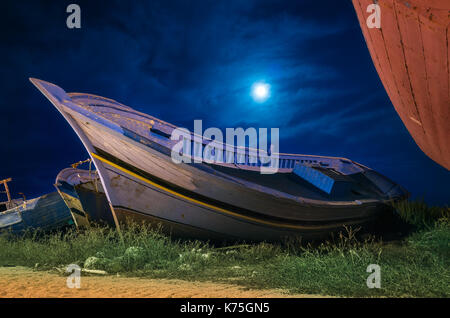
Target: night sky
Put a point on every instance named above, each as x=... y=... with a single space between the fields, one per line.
x=185 y=60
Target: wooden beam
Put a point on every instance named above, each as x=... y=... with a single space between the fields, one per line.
x=5 y=184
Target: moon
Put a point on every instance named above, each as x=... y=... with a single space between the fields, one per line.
x=260 y=92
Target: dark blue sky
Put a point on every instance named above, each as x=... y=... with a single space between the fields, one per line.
x=185 y=60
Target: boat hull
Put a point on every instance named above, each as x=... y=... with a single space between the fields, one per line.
x=84 y=196
x=134 y=194
x=45 y=213
x=411 y=55
x=139 y=200
x=141 y=182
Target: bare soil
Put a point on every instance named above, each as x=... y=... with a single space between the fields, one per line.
x=21 y=282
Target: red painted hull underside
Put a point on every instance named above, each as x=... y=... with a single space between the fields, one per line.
x=411 y=54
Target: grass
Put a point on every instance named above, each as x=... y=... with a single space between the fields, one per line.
x=415 y=266
x=420 y=215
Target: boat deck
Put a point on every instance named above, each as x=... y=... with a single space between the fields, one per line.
x=347 y=188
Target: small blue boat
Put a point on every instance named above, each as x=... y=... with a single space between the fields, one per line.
x=45 y=213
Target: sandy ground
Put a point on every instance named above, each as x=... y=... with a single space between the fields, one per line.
x=19 y=282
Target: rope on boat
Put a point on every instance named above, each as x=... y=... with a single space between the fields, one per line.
x=75 y=166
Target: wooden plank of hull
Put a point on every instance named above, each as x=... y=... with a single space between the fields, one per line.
x=410 y=53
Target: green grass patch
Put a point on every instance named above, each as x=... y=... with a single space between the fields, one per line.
x=416 y=266
x=419 y=214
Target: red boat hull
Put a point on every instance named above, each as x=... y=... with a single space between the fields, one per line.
x=411 y=54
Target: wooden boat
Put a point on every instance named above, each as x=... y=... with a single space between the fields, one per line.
x=411 y=54
x=45 y=213
x=310 y=196
x=83 y=193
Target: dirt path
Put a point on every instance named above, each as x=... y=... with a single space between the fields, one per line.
x=19 y=282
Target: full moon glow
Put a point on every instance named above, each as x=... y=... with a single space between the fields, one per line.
x=260 y=92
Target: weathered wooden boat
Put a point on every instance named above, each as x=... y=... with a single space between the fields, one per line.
x=83 y=193
x=310 y=196
x=44 y=213
x=411 y=55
